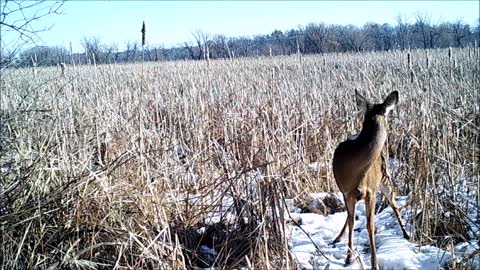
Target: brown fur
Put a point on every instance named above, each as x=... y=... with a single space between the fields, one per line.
x=359 y=168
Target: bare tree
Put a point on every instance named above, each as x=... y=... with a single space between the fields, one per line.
x=203 y=42
x=18 y=16
x=116 y=52
x=155 y=53
x=109 y=50
x=295 y=42
x=459 y=32
x=279 y=40
x=388 y=36
x=242 y=46
x=191 y=50
x=352 y=38
x=17 y=21
x=164 y=52
x=93 y=49
x=402 y=32
x=43 y=56
x=134 y=50
x=375 y=34
x=380 y=37
x=476 y=33
x=316 y=36
x=427 y=33
x=219 y=47
x=148 y=52
x=128 y=51
x=159 y=53
x=131 y=51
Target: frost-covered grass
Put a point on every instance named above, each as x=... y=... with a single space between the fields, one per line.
x=187 y=164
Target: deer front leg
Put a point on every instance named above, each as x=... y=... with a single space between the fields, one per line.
x=388 y=193
x=370 y=211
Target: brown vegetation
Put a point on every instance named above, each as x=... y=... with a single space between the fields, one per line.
x=222 y=145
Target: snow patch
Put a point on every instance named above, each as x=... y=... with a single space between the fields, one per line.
x=393 y=251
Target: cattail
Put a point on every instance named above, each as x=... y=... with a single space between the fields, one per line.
x=409 y=60
x=207 y=54
x=228 y=51
x=449 y=54
x=71 y=54
x=143 y=33
x=62 y=67
x=100 y=153
x=298 y=47
x=428 y=62
x=475 y=51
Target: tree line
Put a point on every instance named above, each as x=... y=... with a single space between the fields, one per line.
x=314 y=38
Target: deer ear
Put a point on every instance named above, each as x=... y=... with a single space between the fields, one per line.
x=362 y=102
x=390 y=102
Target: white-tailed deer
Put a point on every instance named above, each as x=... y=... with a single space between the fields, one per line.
x=358 y=167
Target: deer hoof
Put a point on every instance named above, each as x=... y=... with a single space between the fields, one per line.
x=334 y=242
x=348 y=261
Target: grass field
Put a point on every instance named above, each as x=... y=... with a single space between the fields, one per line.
x=144 y=165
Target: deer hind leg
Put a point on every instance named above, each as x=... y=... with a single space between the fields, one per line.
x=389 y=194
x=350 y=202
x=342 y=232
x=370 y=211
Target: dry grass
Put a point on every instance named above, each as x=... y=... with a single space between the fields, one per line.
x=82 y=188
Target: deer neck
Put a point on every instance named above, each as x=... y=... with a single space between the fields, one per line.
x=372 y=139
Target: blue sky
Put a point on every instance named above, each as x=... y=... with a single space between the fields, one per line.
x=172 y=22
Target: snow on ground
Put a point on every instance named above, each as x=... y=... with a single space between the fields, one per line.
x=393 y=251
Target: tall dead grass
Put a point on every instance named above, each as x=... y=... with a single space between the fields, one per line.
x=223 y=145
